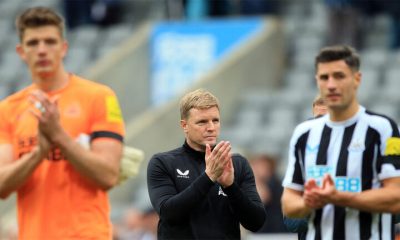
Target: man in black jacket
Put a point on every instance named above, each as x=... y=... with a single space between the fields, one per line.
x=201 y=190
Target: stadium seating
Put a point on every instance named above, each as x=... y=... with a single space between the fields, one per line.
x=305 y=28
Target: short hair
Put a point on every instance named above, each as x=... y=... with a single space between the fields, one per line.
x=38 y=17
x=318 y=100
x=199 y=99
x=339 y=52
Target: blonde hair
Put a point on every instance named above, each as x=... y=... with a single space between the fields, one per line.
x=318 y=100
x=199 y=99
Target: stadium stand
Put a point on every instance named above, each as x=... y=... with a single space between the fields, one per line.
x=258 y=118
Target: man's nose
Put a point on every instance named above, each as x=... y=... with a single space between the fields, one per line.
x=210 y=126
x=331 y=83
x=42 y=47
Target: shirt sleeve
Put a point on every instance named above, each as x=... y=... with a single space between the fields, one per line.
x=244 y=199
x=107 y=120
x=169 y=204
x=5 y=132
x=389 y=151
x=295 y=176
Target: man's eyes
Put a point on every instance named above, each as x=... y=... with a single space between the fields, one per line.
x=335 y=76
x=33 y=43
x=50 y=41
x=339 y=75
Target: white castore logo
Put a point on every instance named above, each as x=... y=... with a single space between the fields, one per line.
x=182 y=174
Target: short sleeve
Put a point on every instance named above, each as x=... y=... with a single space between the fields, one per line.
x=294 y=178
x=107 y=120
x=390 y=152
x=5 y=130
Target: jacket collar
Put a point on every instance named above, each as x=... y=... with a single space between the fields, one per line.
x=196 y=154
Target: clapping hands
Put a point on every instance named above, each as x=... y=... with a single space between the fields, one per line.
x=219 y=167
x=316 y=197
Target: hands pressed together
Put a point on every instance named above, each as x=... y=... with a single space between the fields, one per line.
x=48 y=117
x=219 y=167
x=316 y=197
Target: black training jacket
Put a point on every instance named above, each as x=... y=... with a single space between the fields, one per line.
x=191 y=206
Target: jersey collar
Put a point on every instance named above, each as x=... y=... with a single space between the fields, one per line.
x=347 y=122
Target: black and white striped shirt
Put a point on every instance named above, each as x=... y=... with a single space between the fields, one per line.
x=358 y=153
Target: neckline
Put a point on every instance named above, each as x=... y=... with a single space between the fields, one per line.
x=54 y=92
x=346 y=122
x=193 y=152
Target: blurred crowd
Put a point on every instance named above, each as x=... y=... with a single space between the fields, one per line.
x=137 y=224
x=100 y=12
x=347 y=19
x=270 y=189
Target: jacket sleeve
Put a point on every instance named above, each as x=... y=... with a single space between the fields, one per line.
x=244 y=199
x=170 y=204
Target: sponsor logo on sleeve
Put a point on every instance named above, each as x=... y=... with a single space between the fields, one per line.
x=392 y=146
x=113 y=110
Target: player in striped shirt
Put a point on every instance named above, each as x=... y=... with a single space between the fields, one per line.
x=344 y=167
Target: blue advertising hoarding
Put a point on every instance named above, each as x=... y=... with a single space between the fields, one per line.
x=182 y=51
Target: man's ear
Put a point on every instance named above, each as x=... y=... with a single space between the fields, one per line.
x=20 y=51
x=184 y=125
x=65 y=47
x=357 y=78
x=316 y=81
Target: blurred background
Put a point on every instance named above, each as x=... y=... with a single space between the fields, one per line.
x=256 y=56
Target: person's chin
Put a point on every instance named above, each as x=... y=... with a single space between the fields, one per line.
x=211 y=142
x=333 y=103
x=337 y=106
x=45 y=73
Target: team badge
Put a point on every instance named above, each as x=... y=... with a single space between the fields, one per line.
x=356 y=145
